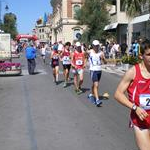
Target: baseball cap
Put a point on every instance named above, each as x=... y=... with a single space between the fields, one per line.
x=95 y=42
x=78 y=44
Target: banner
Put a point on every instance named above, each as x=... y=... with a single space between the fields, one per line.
x=5 y=47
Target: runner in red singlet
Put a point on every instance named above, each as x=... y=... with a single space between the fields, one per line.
x=136 y=82
x=66 y=62
x=78 y=62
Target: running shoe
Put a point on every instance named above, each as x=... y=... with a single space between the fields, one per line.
x=90 y=95
x=79 y=91
x=65 y=85
x=98 y=103
x=92 y=98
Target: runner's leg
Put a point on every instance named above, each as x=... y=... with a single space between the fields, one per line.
x=80 y=80
x=57 y=72
x=142 y=138
x=76 y=81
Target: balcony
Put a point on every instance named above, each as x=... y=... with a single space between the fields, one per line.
x=76 y=1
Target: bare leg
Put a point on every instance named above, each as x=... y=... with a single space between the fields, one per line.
x=142 y=138
x=95 y=89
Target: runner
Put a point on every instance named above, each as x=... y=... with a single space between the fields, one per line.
x=66 y=61
x=55 y=64
x=78 y=62
x=95 y=59
x=43 y=52
x=136 y=82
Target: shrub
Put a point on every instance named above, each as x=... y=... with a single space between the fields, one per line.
x=130 y=60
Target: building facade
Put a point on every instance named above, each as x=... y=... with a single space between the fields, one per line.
x=118 y=21
x=43 y=29
x=65 y=27
x=141 y=23
x=128 y=29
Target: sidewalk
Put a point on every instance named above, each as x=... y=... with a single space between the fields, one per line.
x=116 y=69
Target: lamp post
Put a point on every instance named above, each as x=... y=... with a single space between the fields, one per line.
x=6 y=8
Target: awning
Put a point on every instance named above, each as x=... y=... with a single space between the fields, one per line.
x=139 y=19
x=111 y=26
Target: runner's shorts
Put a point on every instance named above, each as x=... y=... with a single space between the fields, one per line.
x=54 y=63
x=77 y=71
x=95 y=75
x=67 y=67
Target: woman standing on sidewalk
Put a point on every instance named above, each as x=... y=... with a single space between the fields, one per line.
x=136 y=82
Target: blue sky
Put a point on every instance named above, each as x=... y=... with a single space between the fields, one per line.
x=27 y=12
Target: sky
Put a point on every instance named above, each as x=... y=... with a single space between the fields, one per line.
x=27 y=12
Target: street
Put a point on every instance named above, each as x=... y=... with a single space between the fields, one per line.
x=36 y=114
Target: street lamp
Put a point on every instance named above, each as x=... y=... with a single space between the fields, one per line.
x=6 y=8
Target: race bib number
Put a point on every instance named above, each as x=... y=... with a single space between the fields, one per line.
x=55 y=57
x=79 y=62
x=66 y=60
x=144 y=100
x=96 y=63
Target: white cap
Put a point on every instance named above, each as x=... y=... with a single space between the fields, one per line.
x=78 y=44
x=95 y=42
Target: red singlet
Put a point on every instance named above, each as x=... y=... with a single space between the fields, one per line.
x=139 y=93
x=78 y=60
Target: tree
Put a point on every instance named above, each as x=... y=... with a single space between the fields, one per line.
x=133 y=7
x=9 y=25
x=94 y=15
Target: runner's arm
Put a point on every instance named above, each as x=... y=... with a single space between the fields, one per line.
x=103 y=58
x=72 y=60
x=122 y=88
x=85 y=59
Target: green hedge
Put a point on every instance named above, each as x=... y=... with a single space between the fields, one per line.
x=130 y=60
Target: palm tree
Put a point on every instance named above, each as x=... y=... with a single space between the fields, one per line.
x=133 y=8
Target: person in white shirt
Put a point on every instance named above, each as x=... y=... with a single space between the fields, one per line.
x=60 y=47
x=95 y=60
x=43 y=52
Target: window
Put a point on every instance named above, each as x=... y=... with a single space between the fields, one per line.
x=76 y=34
x=76 y=8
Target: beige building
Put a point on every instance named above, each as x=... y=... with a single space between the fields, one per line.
x=128 y=29
x=118 y=21
x=43 y=29
x=65 y=26
x=44 y=33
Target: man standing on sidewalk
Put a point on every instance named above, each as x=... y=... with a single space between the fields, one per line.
x=30 y=52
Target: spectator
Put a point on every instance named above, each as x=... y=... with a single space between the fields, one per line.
x=31 y=55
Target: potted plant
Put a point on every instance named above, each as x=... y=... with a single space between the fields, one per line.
x=128 y=61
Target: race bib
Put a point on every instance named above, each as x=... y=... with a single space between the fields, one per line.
x=66 y=60
x=55 y=57
x=79 y=62
x=144 y=100
x=96 y=63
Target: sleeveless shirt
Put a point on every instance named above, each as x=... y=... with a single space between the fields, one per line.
x=139 y=93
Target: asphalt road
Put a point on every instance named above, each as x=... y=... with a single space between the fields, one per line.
x=36 y=114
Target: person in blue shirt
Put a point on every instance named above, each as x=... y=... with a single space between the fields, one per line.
x=135 y=48
x=30 y=52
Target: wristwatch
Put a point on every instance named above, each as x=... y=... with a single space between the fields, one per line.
x=134 y=107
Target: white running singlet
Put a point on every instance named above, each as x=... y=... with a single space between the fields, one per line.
x=95 y=61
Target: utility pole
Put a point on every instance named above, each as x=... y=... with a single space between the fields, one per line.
x=6 y=8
